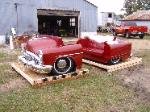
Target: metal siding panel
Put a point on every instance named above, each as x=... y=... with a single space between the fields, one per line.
x=28 y=13
x=27 y=21
x=8 y=17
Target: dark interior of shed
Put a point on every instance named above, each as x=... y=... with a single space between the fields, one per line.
x=64 y=26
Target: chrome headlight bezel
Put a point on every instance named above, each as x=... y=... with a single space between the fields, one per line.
x=23 y=48
x=31 y=57
x=40 y=55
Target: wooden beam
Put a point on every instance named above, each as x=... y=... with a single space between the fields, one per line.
x=53 y=12
x=36 y=79
x=111 y=68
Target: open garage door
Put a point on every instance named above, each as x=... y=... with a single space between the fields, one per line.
x=62 y=23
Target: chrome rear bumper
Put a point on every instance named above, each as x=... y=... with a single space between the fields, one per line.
x=39 y=68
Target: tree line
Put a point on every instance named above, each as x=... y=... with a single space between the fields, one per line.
x=131 y=6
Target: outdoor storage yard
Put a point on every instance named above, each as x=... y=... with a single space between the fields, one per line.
x=127 y=90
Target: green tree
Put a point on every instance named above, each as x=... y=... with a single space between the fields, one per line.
x=131 y=6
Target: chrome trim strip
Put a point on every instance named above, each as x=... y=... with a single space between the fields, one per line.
x=71 y=54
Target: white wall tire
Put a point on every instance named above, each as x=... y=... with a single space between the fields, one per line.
x=63 y=65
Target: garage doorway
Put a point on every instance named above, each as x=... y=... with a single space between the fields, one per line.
x=58 y=22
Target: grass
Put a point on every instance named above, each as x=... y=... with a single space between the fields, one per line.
x=7 y=55
x=99 y=92
x=144 y=108
x=147 y=37
x=145 y=55
x=95 y=93
x=6 y=73
x=3 y=55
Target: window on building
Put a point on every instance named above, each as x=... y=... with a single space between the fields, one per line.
x=72 y=22
x=109 y=15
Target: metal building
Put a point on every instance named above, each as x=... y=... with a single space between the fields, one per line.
x=48 y=16
x=105 y=18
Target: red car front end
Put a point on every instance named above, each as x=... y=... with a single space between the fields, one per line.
x=49 y=54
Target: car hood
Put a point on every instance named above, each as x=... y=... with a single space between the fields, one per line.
x=36 y=44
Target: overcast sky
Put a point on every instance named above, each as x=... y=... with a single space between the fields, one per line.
x=109 y=5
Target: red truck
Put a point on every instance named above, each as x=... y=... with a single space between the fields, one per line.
x=130 y=28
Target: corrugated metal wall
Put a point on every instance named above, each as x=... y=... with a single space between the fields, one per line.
x=22 y=14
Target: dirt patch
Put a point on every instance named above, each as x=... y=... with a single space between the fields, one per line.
x=138 y=44
x=138 y=77
x=13 y=84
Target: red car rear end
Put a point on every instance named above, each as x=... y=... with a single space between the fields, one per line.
x=105 y=49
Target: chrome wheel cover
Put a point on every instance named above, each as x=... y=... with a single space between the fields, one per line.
x=116 y=60
x=62 y=64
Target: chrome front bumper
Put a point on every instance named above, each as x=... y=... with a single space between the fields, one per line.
x=39 y=68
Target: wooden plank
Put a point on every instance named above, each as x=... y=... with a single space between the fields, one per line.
x=96 y=64
x=36 y=79
x=15 y=66
x=111 y=68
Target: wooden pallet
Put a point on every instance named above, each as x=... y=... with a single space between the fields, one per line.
x=36 y=79
x=111 y=68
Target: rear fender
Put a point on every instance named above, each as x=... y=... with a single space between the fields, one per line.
x=107 y=49
x=123 y=50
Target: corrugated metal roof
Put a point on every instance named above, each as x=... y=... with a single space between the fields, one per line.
x=139 y=15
